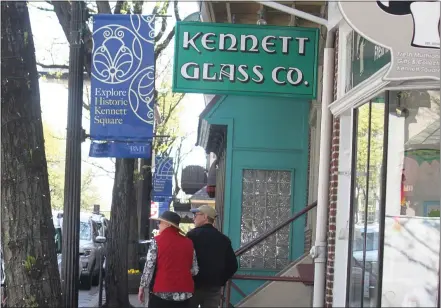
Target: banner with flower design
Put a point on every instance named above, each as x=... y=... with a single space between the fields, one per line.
x=123 y=78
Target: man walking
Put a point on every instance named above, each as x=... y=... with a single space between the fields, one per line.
x=216 y=259
x=170 y=265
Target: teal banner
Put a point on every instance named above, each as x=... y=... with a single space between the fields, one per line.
x=243 y=59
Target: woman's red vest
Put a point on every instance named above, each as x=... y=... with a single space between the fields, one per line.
x=173 y=263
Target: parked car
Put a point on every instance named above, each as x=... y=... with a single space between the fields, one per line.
x=90 y=250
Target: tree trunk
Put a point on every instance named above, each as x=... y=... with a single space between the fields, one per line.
x=116 y=260
x=133 y=259
x=144 y=191
x=32 y=277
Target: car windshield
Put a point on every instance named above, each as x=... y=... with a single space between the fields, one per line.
x=84 y=231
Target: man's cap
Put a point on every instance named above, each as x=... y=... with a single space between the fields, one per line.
x=207 y=210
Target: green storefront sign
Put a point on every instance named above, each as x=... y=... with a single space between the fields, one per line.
x=367 y=58
x=245 y=60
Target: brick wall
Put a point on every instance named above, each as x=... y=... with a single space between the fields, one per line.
x=308 y=232
x=308 y=240
x=333 y=185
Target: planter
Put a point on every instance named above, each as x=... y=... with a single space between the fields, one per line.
x=133 y=281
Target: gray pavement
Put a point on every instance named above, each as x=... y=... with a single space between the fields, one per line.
x=89 y=298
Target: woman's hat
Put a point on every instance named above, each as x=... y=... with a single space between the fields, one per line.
x=170 y=217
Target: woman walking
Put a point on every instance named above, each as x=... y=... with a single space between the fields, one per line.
x=171 y=263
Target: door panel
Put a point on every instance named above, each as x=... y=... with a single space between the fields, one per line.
x=267 y=188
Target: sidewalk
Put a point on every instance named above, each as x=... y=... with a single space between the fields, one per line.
x=133 y=298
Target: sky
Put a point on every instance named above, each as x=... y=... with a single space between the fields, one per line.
x=52 y=48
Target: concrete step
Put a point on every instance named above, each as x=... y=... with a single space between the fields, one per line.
x=285 y=294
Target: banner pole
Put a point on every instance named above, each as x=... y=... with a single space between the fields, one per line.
x=72 y=188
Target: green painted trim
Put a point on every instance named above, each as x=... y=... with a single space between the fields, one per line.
x=229 y=122
x=215 y=108
x=250 y=93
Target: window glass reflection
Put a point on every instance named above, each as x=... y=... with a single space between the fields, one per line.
x=369 y=138
x=412 y=209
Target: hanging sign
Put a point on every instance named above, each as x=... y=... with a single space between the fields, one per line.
x=166 y=199
x=123 y=78
x=163 y=203
x=163 y=177
x=245 y=60
x=367 y=58
x=120 y=149
x=162 y=207
x=158 y=207
x=410 y=29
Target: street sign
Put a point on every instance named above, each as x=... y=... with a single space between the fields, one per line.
x=246 y=59
x=163 y=177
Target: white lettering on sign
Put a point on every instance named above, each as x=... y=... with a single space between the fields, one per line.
x=206 y=72
x=289 y=76
x=247 y=42
x=110 y=106
x=301 y=41
x=222 y=40
x=242 y=70
x=138 y=148
x=184 y=71
x=190 y=42
x=265 y=43
x=285 y=43
x=269 y=44
x=379 y=52
x=224 y=73
x=243 y=43
x=206 y=41
x=109 y=92
x=257 y=70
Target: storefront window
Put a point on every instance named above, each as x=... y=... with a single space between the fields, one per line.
x=366 y=193
x=412 y=207
x=396 y=190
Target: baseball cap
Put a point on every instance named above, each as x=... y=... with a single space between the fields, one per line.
x=205 y=209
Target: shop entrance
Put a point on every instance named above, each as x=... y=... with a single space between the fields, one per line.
x=266 y=169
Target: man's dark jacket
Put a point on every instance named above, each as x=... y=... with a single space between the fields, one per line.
x=216 y=259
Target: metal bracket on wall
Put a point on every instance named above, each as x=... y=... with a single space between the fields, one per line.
x=347 y=173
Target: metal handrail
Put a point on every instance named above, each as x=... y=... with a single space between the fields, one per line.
x=257 y=241
x=268 y=233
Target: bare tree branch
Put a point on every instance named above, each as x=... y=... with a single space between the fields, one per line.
x=163 y=11
x=42 y=8
x=175 y=7
x=156 y=7
x=60 y=66
x=160 y=48
x=108 y=172
x=166 y=67
x=172 y=108
x=63 y=11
